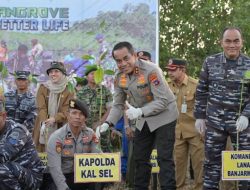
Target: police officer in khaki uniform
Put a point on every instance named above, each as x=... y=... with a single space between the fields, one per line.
x=73 y=137
x=187 y=140
x=153 y=105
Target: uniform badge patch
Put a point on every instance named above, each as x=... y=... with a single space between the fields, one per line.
x=141 y=79
x=68 y=141
x=58 y=147
x=153 y=78
x=140 y=54
x=67 y=152
x=13 y=138
x=123 y=81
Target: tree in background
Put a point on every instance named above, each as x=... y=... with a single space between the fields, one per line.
x=191 y=29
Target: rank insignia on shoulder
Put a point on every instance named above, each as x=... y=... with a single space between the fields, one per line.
x=136 y=70
x=58 y=147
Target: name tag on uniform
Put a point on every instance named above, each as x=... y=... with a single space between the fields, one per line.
x=183 y=108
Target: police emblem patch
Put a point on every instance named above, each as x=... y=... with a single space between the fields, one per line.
x=170 y=61
x=153 y=78
x=58 y=147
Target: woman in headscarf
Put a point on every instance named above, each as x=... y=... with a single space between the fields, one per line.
x=52 y=104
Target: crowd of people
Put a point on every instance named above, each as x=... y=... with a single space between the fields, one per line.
x=187 y=121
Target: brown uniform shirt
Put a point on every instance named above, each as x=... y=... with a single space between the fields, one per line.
x=185 y=123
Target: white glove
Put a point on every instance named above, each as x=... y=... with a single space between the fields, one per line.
x=42 y=133
x=100 y=129
x=132 y=112
x=242 y=123
x=200 y=125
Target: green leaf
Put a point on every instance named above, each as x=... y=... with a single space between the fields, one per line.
x=109 y=72
x=99 y=74
x=70 y=87
x=34 y=80
x=247 y=75
x=1 y=66
x=103 y=55
x=4 y=72
x=87 y=57
x=30 y=78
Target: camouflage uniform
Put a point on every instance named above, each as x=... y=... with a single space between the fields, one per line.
x=20 y=166
x=218 y=98
x=96 y=98
x=21 y=108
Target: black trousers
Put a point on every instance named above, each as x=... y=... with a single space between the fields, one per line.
x=164 y=138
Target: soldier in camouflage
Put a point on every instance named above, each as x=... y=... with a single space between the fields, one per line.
x=98 y=99
x=218 y=102
x=20 y=104
x=20 y=166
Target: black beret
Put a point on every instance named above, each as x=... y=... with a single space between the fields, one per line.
x=57 y=65
x=79 y=105
x=173 y=64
